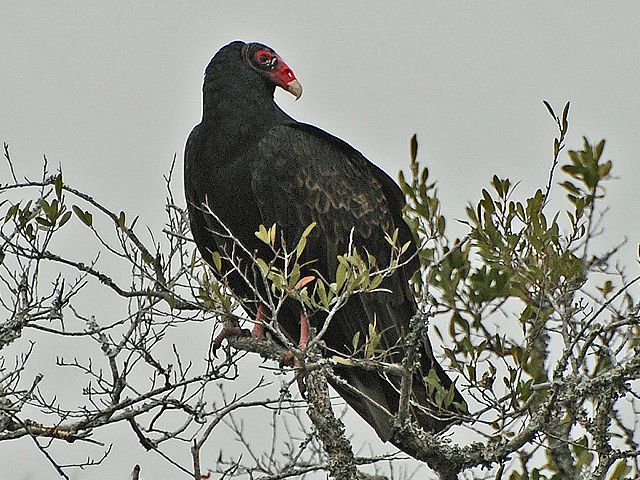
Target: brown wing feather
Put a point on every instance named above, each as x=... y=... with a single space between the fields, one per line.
x=302 y=175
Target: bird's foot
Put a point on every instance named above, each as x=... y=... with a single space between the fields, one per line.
x=228 y=331
x=290 y=359
x=232 y=329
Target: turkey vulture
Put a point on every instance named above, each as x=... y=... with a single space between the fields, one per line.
x=249 y=164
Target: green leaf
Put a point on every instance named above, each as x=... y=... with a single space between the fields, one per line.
x=302 y=243
x=620 y=470
x=604 y=169
x=217 y=261
x=404 y=186
x=375 y=282
x=263 y=234
x=43 y=221
x=263 y=266
x=599 y=149
x=342 y=360
x=433 y=382
x=341 y=275
x=308 y=230
x=581 y=451
x=13 y=210
x=122 y=220
x=549 y=109
x=565 y=117
x=84 y=216
x=497 y=185
x=448 y=399
x=88 y=218
x=272 y=234
x=322 y=294
x=414 y=148
x=391 y=240
x=441 y=225
x=372 y=330
x=570 y=187
x=488 y=201
x=64 y=219
x=355 y=341
x=78 y=211
x=373 y=340
x=58 y=186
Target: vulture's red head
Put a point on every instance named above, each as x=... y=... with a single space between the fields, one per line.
x=269 y=64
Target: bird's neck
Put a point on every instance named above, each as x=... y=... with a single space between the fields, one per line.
x=238 y=113
x=239 y=95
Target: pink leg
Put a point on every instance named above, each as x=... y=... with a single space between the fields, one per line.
x=234 y=329
x=288 y=358
x=305 y=332
x=258 y=327
x=305 y=329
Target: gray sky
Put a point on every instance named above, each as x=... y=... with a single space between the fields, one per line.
x=111 y=90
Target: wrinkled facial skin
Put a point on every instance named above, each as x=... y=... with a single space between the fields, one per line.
x=267 y=62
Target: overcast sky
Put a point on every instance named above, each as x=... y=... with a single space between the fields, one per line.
x=111 y=90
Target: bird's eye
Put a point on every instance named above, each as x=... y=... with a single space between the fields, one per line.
x=261 y=58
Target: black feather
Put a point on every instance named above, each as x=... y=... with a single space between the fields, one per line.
x=251 y=164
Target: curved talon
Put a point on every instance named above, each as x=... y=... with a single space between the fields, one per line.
x=302 y=385
x=235 y=330
x=288 y=359
x=226 y=333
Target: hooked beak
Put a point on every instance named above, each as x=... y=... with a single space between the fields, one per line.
x=294 y=87
x=284 y=78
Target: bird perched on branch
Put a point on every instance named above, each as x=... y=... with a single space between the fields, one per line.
x=249 y=164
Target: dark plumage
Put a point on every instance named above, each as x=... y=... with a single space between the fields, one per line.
x=252 y=164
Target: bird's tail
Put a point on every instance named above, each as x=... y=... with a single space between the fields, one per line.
x=376 y=399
